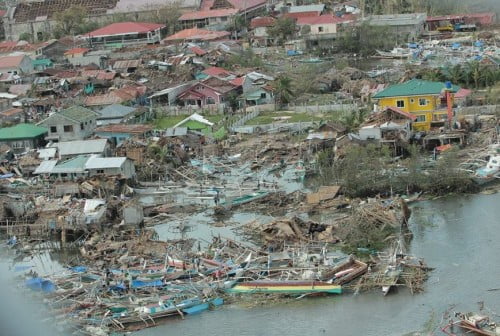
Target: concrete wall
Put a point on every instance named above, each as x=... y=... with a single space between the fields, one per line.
x=76 y=134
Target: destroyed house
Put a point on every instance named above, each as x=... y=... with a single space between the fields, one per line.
x=68 y=149
x=118 y=133
x=390 y=126
x=85 y=166
x=73 y=123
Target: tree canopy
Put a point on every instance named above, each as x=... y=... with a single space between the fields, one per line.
x=283 y=28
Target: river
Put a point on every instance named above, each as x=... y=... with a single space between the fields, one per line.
x=459 y=236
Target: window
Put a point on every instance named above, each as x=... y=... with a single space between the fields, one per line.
x=412 y=100
x=100 y=171
x=421 y=118
x=81 y=126
x=320 y=29
x=263 y=95
x=68 y=128
x=53 y=129
x=400 y=103
x=422 y=101
x=210 y=100
x=223 y=18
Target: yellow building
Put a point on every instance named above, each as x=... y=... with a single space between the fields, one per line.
x=424 y=99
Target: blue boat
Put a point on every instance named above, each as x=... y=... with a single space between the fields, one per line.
x=196 y=309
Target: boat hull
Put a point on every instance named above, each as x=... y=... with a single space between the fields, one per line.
x=299 y=287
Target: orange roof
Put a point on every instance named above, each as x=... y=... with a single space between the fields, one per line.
x=75 y=51
x=122 y=28
x=11 y=61
x=124 y=128
x=301 y=14
x=204 y=14
x=238 y=81
x=216 y=72
x=11 y=112
x=197 y=34
x=197 y=50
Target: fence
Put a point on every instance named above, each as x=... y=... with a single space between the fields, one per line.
x=163 y=111
x=246 y=117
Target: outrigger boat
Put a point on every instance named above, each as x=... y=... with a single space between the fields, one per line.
x=489 y=172
x=473 y=323
x=294 y=287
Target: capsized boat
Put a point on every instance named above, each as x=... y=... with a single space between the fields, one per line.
x=489 y=172
x=297 y=287
x=474 y=323
x=396 y=53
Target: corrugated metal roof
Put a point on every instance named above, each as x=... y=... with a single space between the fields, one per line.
x=74 y=165
x=45 y=167
x=122 y=28
x=307 y=8
x=177 y=131
x=115 y=111
x=79 y=147
x=47 y=153
x=125 y=64
x=102 y=163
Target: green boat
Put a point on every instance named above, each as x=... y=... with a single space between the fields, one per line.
x=246 y=198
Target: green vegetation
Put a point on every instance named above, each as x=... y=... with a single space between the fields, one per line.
x=283 y=90
x=247 y=59
x=365 y=39
x=269 y=118
x=368 y=171
x=472 y=74
x=282 y=30
x=73 y=20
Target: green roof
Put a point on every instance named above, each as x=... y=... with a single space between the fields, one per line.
x=414 y=87
x=78 y=113
x=22 y=131
x=72 y=165
x=44 y=61
x=194 y=125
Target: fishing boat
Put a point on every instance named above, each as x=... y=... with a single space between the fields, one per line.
x=298 y=287
x=391 y=277
x=395 y=53
x=345 y=272
x=474 y=323
x=246 y=198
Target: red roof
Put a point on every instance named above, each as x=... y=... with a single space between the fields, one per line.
x=197 y=50
x=462 y=93
x=216 y=72
x=314 y=20
x=265 y=21
x=197 y=34
x=401 y=112
x=238 y=81
x=11 y=61
x=198 y=15
x=122 y=28
x=2 y=12
x=99 y=74
x=77 y=51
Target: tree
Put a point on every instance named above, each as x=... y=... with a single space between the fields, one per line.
x=283 y=28
x=26 y=37
x=71 y=20
x=365 y=39
x=233 y=102
x=168 y=14
x=283 y=89
x=305 y=30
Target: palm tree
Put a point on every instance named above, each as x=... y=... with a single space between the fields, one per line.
x=474 y=73
x=283 y=89
x=454 y=74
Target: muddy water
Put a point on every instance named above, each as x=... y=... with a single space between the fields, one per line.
x=460 y=236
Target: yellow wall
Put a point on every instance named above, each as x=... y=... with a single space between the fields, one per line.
x=431 y=111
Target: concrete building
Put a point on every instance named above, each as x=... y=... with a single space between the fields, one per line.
x=68 y=149
x=126 y=33
x=407 y=27
x=73 y=123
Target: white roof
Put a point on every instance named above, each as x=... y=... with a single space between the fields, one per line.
x=257 y=75
x=79 y=147
x=307 y=8
x=7 y=95
x=45 y=167
x=95 y=162
x=47 y=153
x=195 y=117
x=91 y=205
